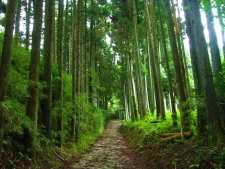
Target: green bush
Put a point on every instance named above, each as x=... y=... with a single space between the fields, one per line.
x=15 y=117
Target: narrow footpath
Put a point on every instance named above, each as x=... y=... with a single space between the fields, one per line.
x=111 y=151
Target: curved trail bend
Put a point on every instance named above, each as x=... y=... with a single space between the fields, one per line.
x=111 y=151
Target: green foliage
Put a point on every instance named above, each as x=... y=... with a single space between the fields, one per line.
x=2 y=21
x=144 y=69
x=18 y=73
x=219 y=81
x=16 y=119
x=1 y=41
x=20 y=60
x=151 y=131
x=165 y=81
x=206 y=5
x=67 y=114
x=67 y=87
x=17 y=86
x=115 y=103
x=220 y=157
x=15 y=103
x=194 y=166
x=215 y=154
x=95 y=79
x=91 y=118
x=145 y=137
x=105 y=9
x=105 y=114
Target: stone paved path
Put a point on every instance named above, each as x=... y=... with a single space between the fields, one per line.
x=111 y=151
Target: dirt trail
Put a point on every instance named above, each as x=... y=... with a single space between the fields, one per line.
x=111 y=151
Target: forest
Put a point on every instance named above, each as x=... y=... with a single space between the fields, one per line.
x=68 y=67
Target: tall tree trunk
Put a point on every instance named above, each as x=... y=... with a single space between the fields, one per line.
x=214 y=127
x=91 y=68
x=74 y=132
x=151 y=76
x=213 y=43
x=1 y=5
x=132 y=92
x=180 y=50
x=17 y=23
x=222 y=28
x=33 y=91
x=28 y=11
x=86 y=50
x=153 y=57
x=157 y=62
x=184 y=107
x=201 y=109
x=129 y=85
x=78 y=64
x=5 y=63
x=154 y=72
x=180 y=30
x=92 y=89
x=54 y=35
x=48 y=41
x=220 y=91
x=169 y=76
x=66 y=39
x=60 y=69
x=150 y=84
x=139 y=75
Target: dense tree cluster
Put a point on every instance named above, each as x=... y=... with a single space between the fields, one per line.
x=77 y=61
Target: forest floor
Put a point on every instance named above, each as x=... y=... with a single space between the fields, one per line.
x=111 y=151
x=126 y=147
x=119 y=148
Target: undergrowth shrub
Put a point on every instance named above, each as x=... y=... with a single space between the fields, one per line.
x=145 y=137
x=15 y=103
x=15 y=117
x=151 y=128
x=17 y=86
x=90 y=122
x=91 y=117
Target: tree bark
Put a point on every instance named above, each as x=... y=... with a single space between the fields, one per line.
x=5 y=63
x=91 y=89
x=188 y=133
x=60 y=70
x=28 y=11
x=176 y=136
x=181 y=53
x=222 y=28
x=54 y=35
x=157 y=61
x=201 y=109
x=139 y=75
x=48 y=46
x=66 y=66
x=216 y=132
x=33 y=90
x=74 y=128
x=169 y=76
x=213 y=43
x=17 y=23
x=184 y=107
x=153 y=57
